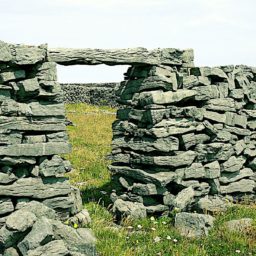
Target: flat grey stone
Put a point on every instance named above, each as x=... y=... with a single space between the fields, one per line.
x=251 y=125
x=41 y=234
x=206 y=92
x=20 y=220
x=195 y=171
x=167 y=144
x=189 y=140
x=240 y=146
x=79 y=240
x=235 y=176
x=213 y=204
x=31 y=139
x=191 y=81
x=53 y=248
x=7 y=178
x=146 y=189
x=28 y=88
x=17 y=160
x=5 y=52
x=175 y=127
x=39 y=109
x=39 y=209
x=209 y=72
x=159 y=178
x=238 y=131
x=214 y=151
x=28 y=55
x=46 y=71
x=233 y=164
x=165 y=56
x=132 y=209
x=60 y=204
x=10 y=138
x=184 y=198
x=237 y=94
x=201 y=189
x=193 y=224
x=181 y=159
x=212 y=170
x=154 y=209
x=36 y=188
x=11 y=252
x=234 y=119
x=57 y=137
x=11 y=75
x=241 y=186
x=214 y=116
x=54 y=167
x=6 y=206
x=164 y=98
x=32 y=124
x=168 y=199
x=38 y=149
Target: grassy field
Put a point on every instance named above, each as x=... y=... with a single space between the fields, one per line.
x=91 y=139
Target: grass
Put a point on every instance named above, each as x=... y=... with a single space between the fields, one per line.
x=91 y=139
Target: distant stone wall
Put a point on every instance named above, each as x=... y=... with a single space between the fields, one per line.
x=186 y=139
x=34 y=192
x=91 y=93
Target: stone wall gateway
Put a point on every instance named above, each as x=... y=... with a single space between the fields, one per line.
x=184 y=139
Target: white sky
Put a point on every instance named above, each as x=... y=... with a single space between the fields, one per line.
x=220 y=31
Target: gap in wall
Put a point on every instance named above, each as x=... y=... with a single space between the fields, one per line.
x=91 y=74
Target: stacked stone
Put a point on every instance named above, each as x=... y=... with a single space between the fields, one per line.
x=185 y=140
x=32 y=134
x=94 y=94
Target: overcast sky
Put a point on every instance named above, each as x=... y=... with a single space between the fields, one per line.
x=220 y=31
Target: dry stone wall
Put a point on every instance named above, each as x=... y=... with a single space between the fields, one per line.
x=91 y=93
x=185 y=140
x=34 y=193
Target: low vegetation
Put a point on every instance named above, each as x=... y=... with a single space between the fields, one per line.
x=91 y=138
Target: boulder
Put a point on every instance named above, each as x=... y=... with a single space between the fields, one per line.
x=193 y=224
x=125 y=208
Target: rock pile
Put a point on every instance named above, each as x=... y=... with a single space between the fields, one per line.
x=185 y=139
x=34 y=230
x=32 y=134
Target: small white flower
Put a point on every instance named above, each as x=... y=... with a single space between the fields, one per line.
x=129 y=227
x=139 y=227
x=164 y=222
x=168 y=238
x=157 y=239
x=175 y=240
x=152 y=218
x=153 y=229
x=238 y=251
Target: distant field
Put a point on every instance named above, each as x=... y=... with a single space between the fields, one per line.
x=91 y=138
